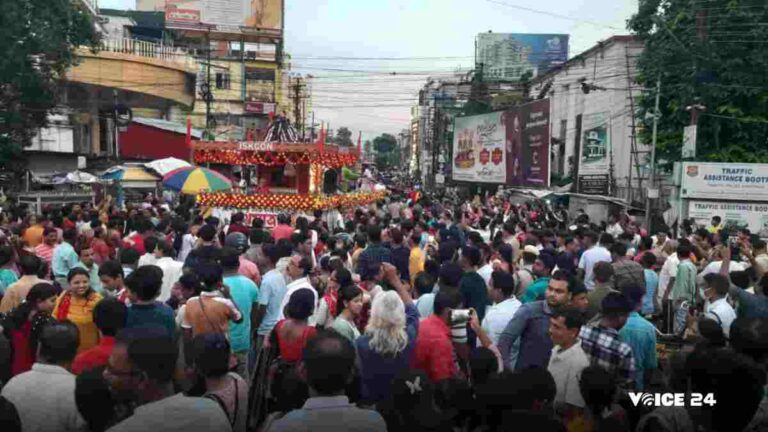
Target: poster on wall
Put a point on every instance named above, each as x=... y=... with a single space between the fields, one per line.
x=729 y=181
x=735 y=215
x=535 y=143
x=597 y=184
x=479 y=149
x=528 y=144
x=595 y=157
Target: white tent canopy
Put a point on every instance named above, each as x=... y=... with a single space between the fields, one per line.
x=164 y=166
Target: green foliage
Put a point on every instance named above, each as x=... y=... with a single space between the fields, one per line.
x=387 y=154
x=343 y=137
x=39 y=38
x=711 y=53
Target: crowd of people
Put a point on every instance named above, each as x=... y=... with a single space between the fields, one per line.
x=418 y=313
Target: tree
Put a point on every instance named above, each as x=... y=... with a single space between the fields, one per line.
x=387 y=155
x=343 y=137
x=39 y=41
x=710 y=54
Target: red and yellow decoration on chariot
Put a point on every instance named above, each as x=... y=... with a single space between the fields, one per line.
x=285 y=175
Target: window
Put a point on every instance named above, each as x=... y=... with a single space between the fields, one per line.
x=222 y=80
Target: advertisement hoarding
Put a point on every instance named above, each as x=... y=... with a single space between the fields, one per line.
x=507 y=56
x=735 y=215
x=226 y=14
x=528 y=144
x=595 y=154
x=725 y=181
x=479 y=151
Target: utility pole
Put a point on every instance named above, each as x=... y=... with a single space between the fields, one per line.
x=297 y=102
x=652 y=180
x=312 y=129
x=209 y=92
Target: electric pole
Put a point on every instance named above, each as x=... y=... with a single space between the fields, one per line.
x=297 y=102
x=652 y=180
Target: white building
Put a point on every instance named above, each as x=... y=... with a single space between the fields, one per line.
x=601 y=80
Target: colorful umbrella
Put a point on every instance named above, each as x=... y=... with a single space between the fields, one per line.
x=193 y=180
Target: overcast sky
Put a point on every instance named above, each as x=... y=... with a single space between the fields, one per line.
x=414 y=39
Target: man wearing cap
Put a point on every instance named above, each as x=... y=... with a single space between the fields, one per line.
x=525 y=274
x=239 y=242
x=542 y=269
x=602 y=344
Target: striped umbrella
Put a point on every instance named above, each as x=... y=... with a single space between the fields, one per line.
x=194 y=180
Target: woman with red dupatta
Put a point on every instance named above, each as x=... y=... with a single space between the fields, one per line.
x=76 y=304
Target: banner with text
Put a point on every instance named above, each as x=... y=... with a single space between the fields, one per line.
x=595 y=155
x=479 y=149
x=528 y=144
x=735 y=215
x=727 y=181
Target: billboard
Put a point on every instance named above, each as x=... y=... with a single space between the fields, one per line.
x=507 y=56
x=735 y=215
x=725 y=181
x=595 y=154
x=528 y=144
x=479 y=149
x=226 y=15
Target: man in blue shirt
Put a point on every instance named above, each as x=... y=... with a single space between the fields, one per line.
x=639 y=334
x=245 y=294
x=273 y=288
x=531 y=326
x=64 y=257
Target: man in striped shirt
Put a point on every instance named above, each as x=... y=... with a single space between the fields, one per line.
x=44 y=250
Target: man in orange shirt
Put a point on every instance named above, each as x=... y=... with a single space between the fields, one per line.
x=33 y=235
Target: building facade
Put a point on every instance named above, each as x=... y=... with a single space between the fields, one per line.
x=599 y=83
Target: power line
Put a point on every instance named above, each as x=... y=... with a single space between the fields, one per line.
x=552 y=14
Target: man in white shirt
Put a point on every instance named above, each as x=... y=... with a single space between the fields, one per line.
x=501 y=291
x=150 y=243
x=595 y=253
x=667 y=274
x=172 y=269
x=717 y=306
x=298 y=270
x=614 y=227
x=44 y=397
x=568 y=359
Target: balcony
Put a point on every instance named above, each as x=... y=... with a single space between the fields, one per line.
x=154 y=71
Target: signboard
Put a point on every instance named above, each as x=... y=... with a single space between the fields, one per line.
x=725 y=181
x=528 y=144
x=173 y=14
x=595 y=155
x=597 y=184
x=735 y=215
x=507 y=56
x=226 y=15
x=259 y=107
x=224 y=214
x=479 y=151
x=689 y=142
